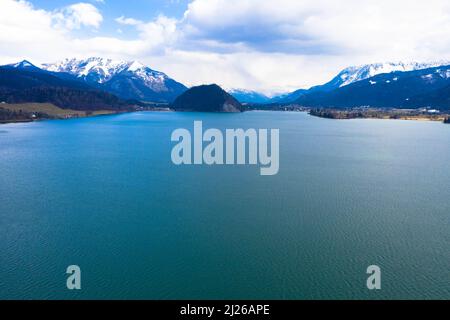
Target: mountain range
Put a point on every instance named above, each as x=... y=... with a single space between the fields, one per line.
x=355 y=74
x=98 y=83
x=23 y=82
x=126 y=79
x=401 y=89
x=249 y=96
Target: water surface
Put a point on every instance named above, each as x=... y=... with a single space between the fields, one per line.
x=102 y=193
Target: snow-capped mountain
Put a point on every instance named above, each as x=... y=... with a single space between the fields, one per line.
x=23 y=65
x=92 y=69
x=24 y=82
x=248 y=96
x=358 y=73
x=399 y=89
x=127 y=79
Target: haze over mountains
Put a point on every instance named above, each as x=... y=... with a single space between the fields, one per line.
x=99 y=83
x=249 y=96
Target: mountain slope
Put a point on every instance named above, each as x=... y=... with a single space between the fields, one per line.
x=288 y=97
x=357 y=73
x=24 y=82
x=248 y=96
x=439 y=98
x=397 y=89
x=207 y=98
x=354 y=74
x=126 y=79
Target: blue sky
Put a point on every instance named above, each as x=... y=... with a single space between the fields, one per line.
x=140 y=9
x=271 y=46
x=111 y=9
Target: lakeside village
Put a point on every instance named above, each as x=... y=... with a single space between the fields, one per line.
x=363 y=112
x=421 y=114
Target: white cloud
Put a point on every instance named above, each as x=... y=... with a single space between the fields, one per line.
x=128 y=21
x=270 y=45
x=77 y=15
x=160 y=32
x=396 y=28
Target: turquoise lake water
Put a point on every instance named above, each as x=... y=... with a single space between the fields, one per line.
x=102 y=193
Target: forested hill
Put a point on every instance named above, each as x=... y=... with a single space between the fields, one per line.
x=207 y=98
x=20 y=85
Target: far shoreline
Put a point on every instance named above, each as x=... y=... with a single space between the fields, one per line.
x=420 y=114
x=55 y=113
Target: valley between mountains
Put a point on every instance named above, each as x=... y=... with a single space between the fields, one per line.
x=96 y=86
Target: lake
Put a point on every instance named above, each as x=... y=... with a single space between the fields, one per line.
x=102 y=193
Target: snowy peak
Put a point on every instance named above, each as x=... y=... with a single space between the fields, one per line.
x=126 y=79
x=101 y=70
x=248 y=96
x=24 y=65
x=95 y=69
x=135 y=65
x=355 y=74
x=358 y=73
x=149 y=77
x=421 y=88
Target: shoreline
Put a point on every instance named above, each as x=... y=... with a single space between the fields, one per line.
x=382 y=114
x=58 y=118
x=32 y=112
x=334 y=114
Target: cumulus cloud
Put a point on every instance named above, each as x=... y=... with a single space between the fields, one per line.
x=275 y=45
x=43 y=36
x=77 y=15
x=270 y=45
x=401 y=28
